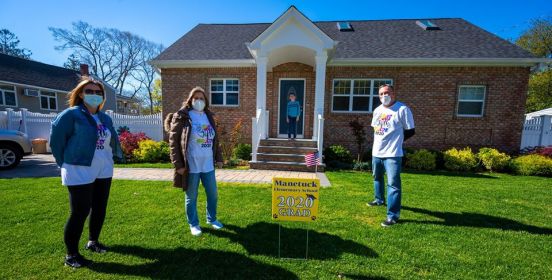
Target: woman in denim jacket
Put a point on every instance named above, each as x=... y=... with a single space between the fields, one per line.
x=84 y=143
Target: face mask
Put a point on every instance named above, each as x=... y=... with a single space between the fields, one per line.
x=198 y=104
x=93 y=100
x=385 y=100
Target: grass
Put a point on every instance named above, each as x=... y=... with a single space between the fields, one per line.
x=453 y=227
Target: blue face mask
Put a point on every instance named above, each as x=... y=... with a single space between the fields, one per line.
x=93 y=100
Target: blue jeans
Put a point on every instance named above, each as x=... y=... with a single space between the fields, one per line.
x=210 y=184
x=292 y=127
x=391 y=166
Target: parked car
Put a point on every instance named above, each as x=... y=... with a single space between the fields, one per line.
x=13 y=146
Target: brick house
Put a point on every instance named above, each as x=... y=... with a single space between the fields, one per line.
x=465 y=86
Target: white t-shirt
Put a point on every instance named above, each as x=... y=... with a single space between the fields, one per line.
x=389 y=125
x=200 y=145
x=102 y=162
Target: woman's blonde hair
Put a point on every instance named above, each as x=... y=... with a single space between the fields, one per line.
x=75 y=99
x=188 y=102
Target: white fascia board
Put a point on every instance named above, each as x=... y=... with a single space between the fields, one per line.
x=163 y=64
x=527 y=62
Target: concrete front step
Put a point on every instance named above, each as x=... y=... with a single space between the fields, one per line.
x=299 y=158
x=288 y=166
x=286 y=150
x=288 y=143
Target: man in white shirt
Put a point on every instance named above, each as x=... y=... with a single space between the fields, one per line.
x=393 y=124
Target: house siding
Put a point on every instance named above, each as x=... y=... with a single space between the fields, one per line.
x=431 y=93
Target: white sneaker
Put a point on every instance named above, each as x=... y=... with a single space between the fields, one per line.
x=216 y=224
x=196 y=231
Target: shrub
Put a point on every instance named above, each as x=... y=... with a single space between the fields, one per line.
x=421 y=160
x=122 y=129
x=460 y=160
x=337 y=156
x=533 y=165
x=242 y=151
x=546 y=151
x=229 y=139
x=359 y=132
x=129 y=142
x=232 y=162
x=362 y=166
x=151 y=151
x=492 y=159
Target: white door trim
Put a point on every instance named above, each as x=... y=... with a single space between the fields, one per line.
x=302 y=135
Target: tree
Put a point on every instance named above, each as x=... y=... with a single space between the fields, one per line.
x=153 y=105
x=9 y=44
x=538 y=40
x=146 y=75
x=113 y=55
x=72 y=62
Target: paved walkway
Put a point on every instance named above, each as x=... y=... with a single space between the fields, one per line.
x=223 y=175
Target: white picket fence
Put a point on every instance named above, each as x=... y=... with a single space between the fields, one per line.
x=537 y=131
x=38 y=125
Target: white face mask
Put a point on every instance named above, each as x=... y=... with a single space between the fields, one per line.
x=198 y=104
x=385 y=100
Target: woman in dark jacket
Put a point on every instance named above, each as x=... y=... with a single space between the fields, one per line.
x=84 y=143
x=194 y=150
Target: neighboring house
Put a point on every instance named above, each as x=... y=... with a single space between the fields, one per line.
x=43 y=88
x=127 y=105
x=465 y=86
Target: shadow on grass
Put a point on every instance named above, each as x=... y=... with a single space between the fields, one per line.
x=181 y=263
x=451 y=174
x=262 y=239
x=467 y=219
x=360 y=277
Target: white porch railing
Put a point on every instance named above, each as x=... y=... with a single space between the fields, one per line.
x=537 y=131
x=320 y=138
x=259 y=127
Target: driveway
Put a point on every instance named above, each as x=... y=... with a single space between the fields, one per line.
x=36 y=165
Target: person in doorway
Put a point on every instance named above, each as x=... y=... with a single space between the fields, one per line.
x=84 y=143
x=293 y=113
x=393 y=123
x=194 y=150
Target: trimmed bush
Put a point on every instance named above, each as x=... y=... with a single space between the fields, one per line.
x=129 y=142
x=533 y=165
x=460 y=160
x=242 y=151
x=151 y=151
x=492 y=159
x=421 y=160
x=362 y=166
x=338 y=156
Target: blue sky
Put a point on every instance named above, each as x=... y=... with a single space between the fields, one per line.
x=165 y=21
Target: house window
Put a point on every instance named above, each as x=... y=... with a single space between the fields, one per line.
x=7 y=95
x=471 y=101
x=225 y=92
x=48 y=100
x=356 y=95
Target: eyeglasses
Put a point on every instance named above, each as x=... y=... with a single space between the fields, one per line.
x=91 y=91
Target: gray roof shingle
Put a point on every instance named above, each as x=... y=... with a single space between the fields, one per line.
x=370 y=39
x=28 y=72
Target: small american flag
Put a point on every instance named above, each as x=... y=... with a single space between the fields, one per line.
x=312 y=159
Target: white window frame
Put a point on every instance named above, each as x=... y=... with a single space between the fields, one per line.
x=47 y=96
x=224 y=92
x=2 y=92
x=351 y=95
x=471 y=100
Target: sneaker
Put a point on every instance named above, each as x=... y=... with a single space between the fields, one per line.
x=96 y=247
x=375 y=203
x=216 y=224
x=196 y=230
x=76 y=261
x=388 y=223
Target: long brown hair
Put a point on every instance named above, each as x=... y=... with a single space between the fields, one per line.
x=188 y=102
x=75 y=99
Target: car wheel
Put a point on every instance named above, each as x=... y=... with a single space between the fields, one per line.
x=9 y=156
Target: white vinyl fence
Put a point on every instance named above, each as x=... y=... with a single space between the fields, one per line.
x=537 y=131
x=38 y=125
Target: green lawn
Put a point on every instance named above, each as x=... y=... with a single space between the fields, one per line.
x=453 y=227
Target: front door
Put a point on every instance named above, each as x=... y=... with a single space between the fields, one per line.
x=287 y=86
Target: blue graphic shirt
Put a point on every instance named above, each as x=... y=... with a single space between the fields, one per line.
x=293 y=109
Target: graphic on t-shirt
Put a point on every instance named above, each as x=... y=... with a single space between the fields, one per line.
x=383 y=123
x=205 y=134
x=102 y=136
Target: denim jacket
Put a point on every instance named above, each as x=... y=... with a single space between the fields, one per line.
x=74 y=134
